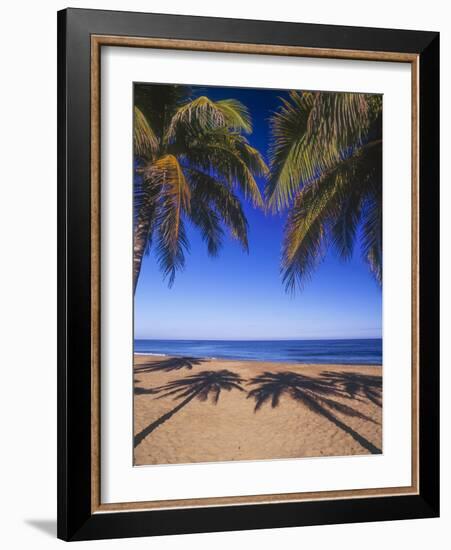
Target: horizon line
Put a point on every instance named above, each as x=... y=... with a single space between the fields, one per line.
x=263 y=339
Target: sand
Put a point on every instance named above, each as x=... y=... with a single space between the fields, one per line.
x=321 y=410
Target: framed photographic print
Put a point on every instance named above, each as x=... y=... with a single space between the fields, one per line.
x=248 y=274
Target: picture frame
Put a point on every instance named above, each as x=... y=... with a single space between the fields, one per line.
x=81 y=36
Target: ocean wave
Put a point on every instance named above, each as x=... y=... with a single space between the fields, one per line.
x=150 y=353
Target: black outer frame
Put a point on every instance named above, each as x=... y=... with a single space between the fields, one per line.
x=75 y=520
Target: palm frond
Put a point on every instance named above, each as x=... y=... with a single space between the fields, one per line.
x=330 y=211
x=337 y=121
x=159 y=102
x=209 y=223
x=311 y=134
x=145 y=142
x=236 y=115
x=361 y=206
x=346 y=223
x=305 y=234
x=372 y=236
x=251 y=157
x=304 y=254
x=288 y=128
x=326 y=161
x=203 y=114
x=229 y=158
x=171 y=256
x=174 y=200
x=207 y=190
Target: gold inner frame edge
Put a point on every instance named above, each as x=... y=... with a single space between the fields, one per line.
x=97 y=41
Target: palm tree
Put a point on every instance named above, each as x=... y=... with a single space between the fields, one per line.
x=199 y=386
x=190 y=158
x=313 y=393
x=326 y=167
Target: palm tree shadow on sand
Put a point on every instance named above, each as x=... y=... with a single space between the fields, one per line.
x=314 y=393
x=200 y=386
x=144 y=391
x=354 y=384
x=168 y=365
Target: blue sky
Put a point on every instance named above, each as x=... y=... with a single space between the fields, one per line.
x=241 y=296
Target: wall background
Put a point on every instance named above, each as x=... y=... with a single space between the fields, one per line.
x=28 y=274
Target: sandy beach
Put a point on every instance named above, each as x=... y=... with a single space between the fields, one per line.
x=190 y=410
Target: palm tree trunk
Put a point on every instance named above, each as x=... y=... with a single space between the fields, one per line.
x=154 y=425
x=140 y=237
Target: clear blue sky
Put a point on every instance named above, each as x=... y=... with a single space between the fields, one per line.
x=241 y=296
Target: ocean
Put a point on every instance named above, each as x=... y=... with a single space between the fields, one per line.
x=341 y=352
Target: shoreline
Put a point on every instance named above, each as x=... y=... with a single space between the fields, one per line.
x=247 y=360
x=192 y=409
